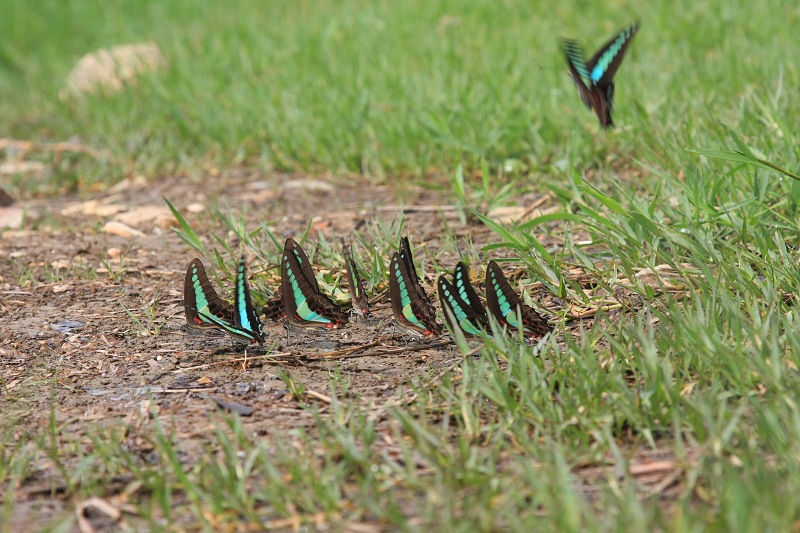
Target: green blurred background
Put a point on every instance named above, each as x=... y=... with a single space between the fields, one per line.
x=395 y=88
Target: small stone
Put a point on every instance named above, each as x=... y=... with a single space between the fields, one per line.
x=60 y=264
x=262 y=197
x=308 y=185
x=64 y=287
x=258 y=185
x=118 y=228
x=19 y=234
x=110 y=69
x=92 y=208
x=114 y=252
x=11 y=217
x=507 y=214
x=120 y=186
x=68 y=326
x=141 y=215
x=195 y=208
x=22 y=167
x=165 y=221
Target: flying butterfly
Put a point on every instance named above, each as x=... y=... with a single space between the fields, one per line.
x=410 y=310
x=504 y=304
x=595 y=78
x=205 y=309
x=359 y=295
x=303 y=303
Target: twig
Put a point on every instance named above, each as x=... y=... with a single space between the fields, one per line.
x=318 y=396
x=285 y=355
x=349 y=350
x=388 y=351
x=417 y=208
x=29 y=146
x=543 y=200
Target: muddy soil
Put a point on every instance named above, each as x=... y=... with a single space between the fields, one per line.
x=91 y=328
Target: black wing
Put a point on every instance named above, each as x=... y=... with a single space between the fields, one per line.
x=604 y=64
x=197 y=291
x=503 y=303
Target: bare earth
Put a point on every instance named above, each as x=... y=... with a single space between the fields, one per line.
x=127 y=366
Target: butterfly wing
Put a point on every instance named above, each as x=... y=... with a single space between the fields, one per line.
x=302 y=259
x=405 y=255
x=274 y=308
x=466 y=291
x=578 y=70
x=457 y=312
x=245 y=318
x=603 y=98
x=504 y=304
x=303 y=304
x=604 y=64
x=359 y=296
x=200 y=300
x=407 y=308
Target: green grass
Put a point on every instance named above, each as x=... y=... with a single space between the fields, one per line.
x=701 y=364
x=400 y=88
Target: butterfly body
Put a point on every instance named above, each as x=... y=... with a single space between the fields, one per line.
x=411 y=307
x=594 y=78
x=359 y=295
x=274 y=308
x=303 y=303
x=505 y=305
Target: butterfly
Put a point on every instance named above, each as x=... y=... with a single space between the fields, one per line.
x=273 y=310
x=205 y=309
x=201 y=300
x=411 y=307
x=405 y=255
x=303 y=303
x=359 y=296
x=504 y=304
x=466 y=291
x=598 y=72
x=460 y=302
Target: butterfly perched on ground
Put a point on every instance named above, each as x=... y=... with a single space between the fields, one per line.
x=303 y=303
x=411 y=307
x=205 y=309
x=408 y=259
x=274 y=308
x=595 y=78
x=504 y=304
x=357 y=292
x=460 y=303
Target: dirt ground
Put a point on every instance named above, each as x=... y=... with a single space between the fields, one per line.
x=75 y=333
